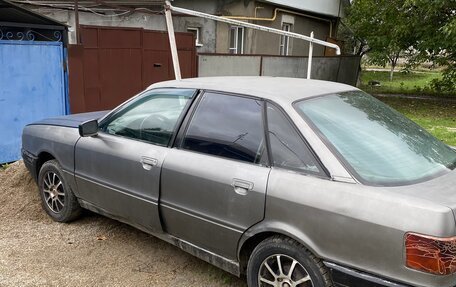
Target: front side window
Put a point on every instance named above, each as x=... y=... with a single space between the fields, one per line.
x=287 y=147
x=152 y=117
x=380 y=145
x=236 y=40
x=229 y=127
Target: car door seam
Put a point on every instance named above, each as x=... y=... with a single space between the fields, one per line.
x=189 y=213
x=115 y=189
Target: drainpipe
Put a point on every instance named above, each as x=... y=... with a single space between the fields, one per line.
x=76 y=20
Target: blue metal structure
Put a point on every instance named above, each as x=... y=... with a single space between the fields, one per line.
x=32 y=87
x=33 y=78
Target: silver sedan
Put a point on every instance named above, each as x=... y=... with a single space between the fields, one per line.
x=291 y=182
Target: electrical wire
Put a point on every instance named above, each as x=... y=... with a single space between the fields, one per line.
x=92 y=9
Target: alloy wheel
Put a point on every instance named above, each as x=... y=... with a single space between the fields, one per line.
x=280 y=270
x=54 y=194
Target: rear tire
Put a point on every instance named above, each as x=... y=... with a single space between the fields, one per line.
x=57 y=198
x=281 y=261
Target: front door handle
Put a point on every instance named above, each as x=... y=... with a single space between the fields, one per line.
x=148 y=162
x=242 y=187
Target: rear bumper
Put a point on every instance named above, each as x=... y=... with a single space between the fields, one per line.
x=346 y=277
x=30 y=162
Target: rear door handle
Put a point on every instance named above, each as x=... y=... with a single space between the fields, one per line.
x=242 y=187
x=148 y=162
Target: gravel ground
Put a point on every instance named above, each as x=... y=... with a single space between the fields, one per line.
x=92 y=251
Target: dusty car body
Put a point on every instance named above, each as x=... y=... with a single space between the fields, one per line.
x=221 y=202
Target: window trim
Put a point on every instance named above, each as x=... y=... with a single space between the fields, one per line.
x=236 y=43
x=105 y=120
x=324 y=172
x=286 y=40
x=191 y=114
x=198 y=35
x=324 y=139
x=179 y=139
x=266 y=134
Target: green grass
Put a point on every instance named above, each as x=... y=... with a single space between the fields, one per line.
x=417 y=83
x=437 y=116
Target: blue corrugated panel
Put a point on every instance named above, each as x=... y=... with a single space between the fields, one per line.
x=32 y=87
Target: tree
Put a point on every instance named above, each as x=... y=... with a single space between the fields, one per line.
x=420 y=30
x=384 y=31
x=434 y=24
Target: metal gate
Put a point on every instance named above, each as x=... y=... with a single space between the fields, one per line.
x=113 y=64
x=32 y=87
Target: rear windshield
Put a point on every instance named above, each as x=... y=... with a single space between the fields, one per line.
x=381 y=146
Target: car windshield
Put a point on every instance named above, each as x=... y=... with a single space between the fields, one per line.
x=381 y=146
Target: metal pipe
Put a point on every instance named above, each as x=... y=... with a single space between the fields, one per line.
x=76 y=20
x=274 y=17
x=256 y=9
x=172 y=41
x=309 y=62
x=253 y=26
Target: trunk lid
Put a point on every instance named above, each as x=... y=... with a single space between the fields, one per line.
x=440 y=190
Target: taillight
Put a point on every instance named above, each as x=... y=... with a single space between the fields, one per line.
x=431 y=254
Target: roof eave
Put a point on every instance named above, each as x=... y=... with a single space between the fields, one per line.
x=51 y=21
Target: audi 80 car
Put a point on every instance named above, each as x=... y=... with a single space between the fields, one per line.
x=290 y=182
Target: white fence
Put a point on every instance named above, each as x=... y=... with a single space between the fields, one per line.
x=342 y=69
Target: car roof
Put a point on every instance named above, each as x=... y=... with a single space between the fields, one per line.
x=282 y=90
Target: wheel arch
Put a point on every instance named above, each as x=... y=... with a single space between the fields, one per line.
x=265 y=229
x=43 y=156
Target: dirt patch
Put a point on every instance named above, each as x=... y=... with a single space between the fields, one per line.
x=93 y=251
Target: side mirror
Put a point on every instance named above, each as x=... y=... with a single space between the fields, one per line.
x=89 y=128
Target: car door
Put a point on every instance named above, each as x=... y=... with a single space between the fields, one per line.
x=214 y=182
x=118 y=171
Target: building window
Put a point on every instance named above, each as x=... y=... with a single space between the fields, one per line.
x=196 y=31
x=285 y=40
x=237 y=40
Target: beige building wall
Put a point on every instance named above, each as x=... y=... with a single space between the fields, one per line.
x=259 y=42
x=305 y=26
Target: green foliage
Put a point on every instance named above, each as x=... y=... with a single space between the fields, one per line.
x=434 y=25
x=414 y=83
x=420 y=30
x=447 y=84
x=383 y=30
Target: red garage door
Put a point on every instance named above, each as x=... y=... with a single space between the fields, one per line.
x=113 y=64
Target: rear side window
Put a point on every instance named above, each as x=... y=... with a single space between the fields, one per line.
x=287 y=147
x=228 y=126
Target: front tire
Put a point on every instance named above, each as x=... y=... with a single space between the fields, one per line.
x=57 y=198
x=281 y=261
